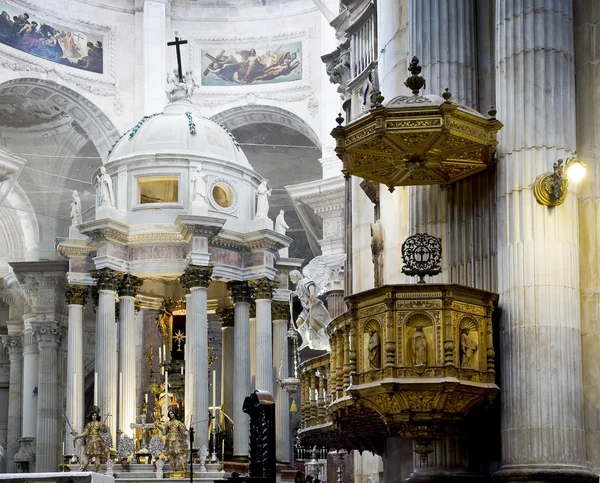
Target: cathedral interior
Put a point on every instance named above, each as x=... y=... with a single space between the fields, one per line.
x=300 y=240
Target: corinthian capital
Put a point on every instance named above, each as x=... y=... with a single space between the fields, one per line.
x=226 y=316
x=47 y=335
x=240 y=291
x=106 y=279
x=129 y=285
x=263 y=288
x=280 y=310
x=195 y=276
x=76 y=294
x=13 y=344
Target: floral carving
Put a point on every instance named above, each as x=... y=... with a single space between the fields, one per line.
x=195 y=276
x=263 y=288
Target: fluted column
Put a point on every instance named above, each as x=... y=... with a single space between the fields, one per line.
x=196 y=280
x=240 y=294
x=128 y=288
x=14 y=346
x=281 y=314
x=107 y=281
x=30 y=378
x=75 y=297
x=226 y=316
x=538 y=248
x=47 y=443
x=263 y=295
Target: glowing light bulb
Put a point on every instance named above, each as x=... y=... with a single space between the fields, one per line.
x=576 y=171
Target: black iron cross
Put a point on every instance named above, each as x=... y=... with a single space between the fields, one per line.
x=177 y=43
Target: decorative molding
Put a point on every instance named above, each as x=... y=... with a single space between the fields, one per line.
x=233 y=186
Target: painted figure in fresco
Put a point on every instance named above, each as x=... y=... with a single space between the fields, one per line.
x=96 y=445
x=176 y=440
x=76 y=209
x=262 y=199
x=374 y=349
x=280 y=225
x=104 y=189
x=310 y=283
x=419 y=348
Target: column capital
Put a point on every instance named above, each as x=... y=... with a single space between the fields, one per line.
x=240 y=291
x=129 y=285
x=196 y=276
x=280 y=310
x=106 y=278
x=263 y=288
x=226 y=316
x=13 y=344
x=76 y=294
x=47 y=335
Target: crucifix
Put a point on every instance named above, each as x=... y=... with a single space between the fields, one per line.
x=177 y=43
x=144 y=426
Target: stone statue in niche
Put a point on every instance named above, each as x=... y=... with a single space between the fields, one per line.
x=75 y=209
x=374 y=349
x=280 y=225
x=199 y=186
x=468 y=348
x=262 y=199
x=377 y=241
x=419 y=348
x=104 y=189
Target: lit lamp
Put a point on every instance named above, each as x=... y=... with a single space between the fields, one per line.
x=550 y=189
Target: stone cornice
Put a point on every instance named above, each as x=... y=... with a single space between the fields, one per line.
x=191 y=225
x=323 y=195
x=266 y=240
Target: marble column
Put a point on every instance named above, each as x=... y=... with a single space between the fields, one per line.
x=543 y=436
x=75 y=296
x=240 y=294
x=252 y=345
x=196 y=280
x=263 y=294
x=14 y=346
x=128 y=288
x=30 y=378
x=281 y=314
x=48 y=437
x=107 y=281
x=587 y=78
x=226 y=316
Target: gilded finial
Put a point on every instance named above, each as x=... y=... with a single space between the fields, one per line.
x=415 y=82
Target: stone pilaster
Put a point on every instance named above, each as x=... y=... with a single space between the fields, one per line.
x=281 y=315
x=538 y=266
x=240 y=294
x=14 y=346
x=195 y=280
x=75 y=297
x=128 y=288
x=47 y=443
x=263 y=294
x=107 y=282
x=227 y=318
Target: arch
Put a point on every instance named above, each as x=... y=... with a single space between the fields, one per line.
x=419 y=320
x=87 y=116
x=468 y=323
x=256 y=114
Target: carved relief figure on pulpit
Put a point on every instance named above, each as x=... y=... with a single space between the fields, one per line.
x=104 y=189
x=374 y=349
x=468 y=348
x=96 y=435
x=176 y=440
x=419 y=348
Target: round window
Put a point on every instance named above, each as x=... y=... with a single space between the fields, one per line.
x=223 y=195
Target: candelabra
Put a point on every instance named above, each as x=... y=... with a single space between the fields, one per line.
x=339 y=457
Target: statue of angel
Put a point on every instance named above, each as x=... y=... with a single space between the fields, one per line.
x=173 y=81
x=312 y=282
x=190 y=82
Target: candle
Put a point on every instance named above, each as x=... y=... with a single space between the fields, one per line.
x=95 y=389
x=182 y=370
x=159 y=355
x=166 y=402
x=214 y=394
x=165 y=352
x=63 y=448
x=146 y=398
x=222 y=448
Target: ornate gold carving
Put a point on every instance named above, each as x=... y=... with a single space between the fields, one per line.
x=196 y=276
x=106 y=278
x=368 y=311
x=280 y=310
x=240 y=291
x=263 y=288
x=226 y=316
x=76 y=294
x=418 y=304
x=129 y=285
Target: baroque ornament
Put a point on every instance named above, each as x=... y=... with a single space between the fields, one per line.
x=196 y=277
x=263 y=288
x=422 y=255
x=76 y=294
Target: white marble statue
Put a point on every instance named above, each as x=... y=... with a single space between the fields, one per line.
x=312 y=282
x=262 y=199
x=199 y=186
x=104 y=189
x=190 y=82
x=181 y=89
x=280 y=225
x=75 y=209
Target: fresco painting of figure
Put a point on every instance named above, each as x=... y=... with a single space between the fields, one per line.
x=250 y=65
x=35 y=36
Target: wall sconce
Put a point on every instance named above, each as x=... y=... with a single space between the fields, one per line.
x=550 y=189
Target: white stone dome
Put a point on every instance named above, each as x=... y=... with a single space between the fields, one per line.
x=181 y=130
